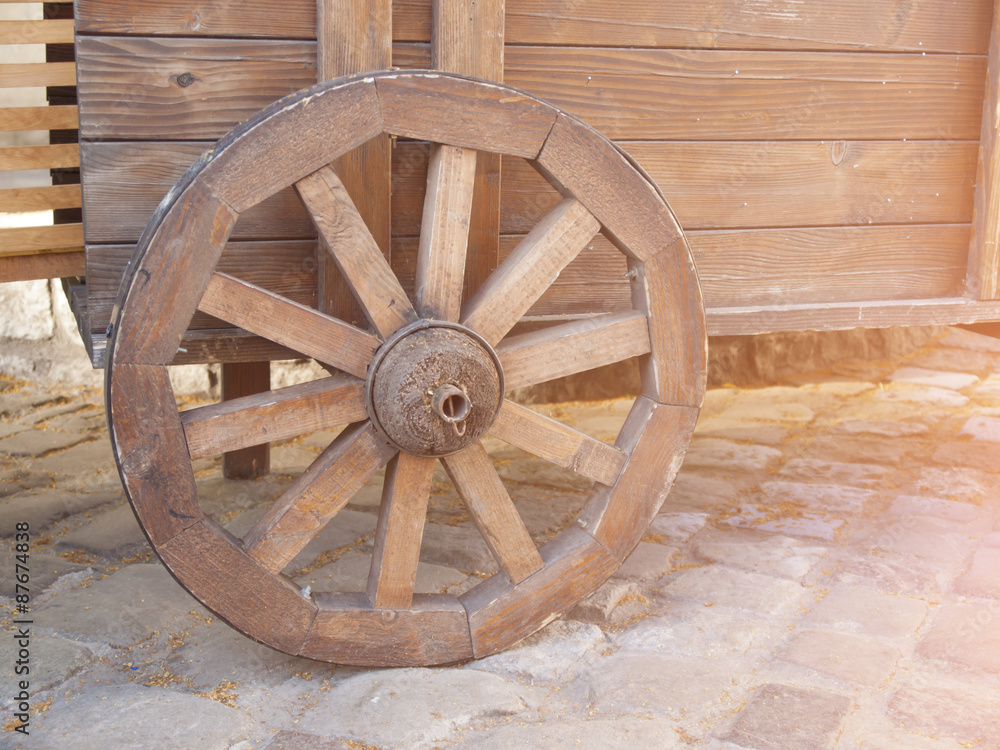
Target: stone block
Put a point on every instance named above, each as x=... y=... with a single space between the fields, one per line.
x=982 y=428
x=725 y=455
x=816 y=471
x=43 y=509
x=782 y=717
x=940 y=378
x=974 y=455
x=113 y=533
x=965 y=633
x=827 y=497
x=864 y=611
x=762 y=553
x=763 y=518
x=967 y=715
x=37 y=443
x=555 y=653
x=731 y=429
x=921 y=395
x=881 y=428
x=648 y=562
x=81 y=459
x=982 y=579
x=715 y=584
x=619 y=733
x=756 y=409
x=52 y=662
x=859 y=659
x=676 y=528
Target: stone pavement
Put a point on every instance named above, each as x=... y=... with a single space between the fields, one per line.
x=825 y=574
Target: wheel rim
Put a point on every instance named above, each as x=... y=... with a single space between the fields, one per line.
x=172 y=276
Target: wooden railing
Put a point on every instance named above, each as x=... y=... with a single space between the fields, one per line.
x=48 y=250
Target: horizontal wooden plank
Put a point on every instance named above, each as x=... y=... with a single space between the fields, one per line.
x=39 y=118
x=42 y=198
x=48 y=239
x=882 y=25
x=39 y=157
x=731 y=95
x=180 y=88
x=48 y=266
x=20 y=75
x=48 y=31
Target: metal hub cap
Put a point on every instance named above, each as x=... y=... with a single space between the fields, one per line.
x=434 y=388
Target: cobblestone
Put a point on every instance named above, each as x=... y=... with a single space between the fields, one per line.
x=823 y=574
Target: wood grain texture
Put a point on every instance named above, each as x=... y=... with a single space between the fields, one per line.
x=135 y=88
x=210 y=563
x=358 y=256
x=25 y=75
x=123 y=184
x=58 y=238
x=323 y=404
x=569 y=348
x=46 y=31
x=655 y=437
x=568 y=447
x=300 y=328
x=529 y=270
x=48 y=266
x=444 y=232
x=500 y=615
x=354 y=457
x=58 y=156
x=348 y=630
x=984 y=244
x=747 y=96
x=169 y=278
x=493 y=512
x=399 y=531
x=666 y=287
x=240 y=380
x=591 y=169
x=148 y=441
x=458 y=112
x=41 y=198
x=39 y=118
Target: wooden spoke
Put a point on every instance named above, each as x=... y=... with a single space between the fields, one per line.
x=317 y=496
x=555 y=442
x=493 y=512
x=399 y=531
x=444 y=232
x=274 y=415
x=569 y=348
x=355 y=251
x=528 y=271
x=296 y=326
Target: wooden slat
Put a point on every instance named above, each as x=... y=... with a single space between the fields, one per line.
x=39 y=118
x=317 y=495
x=348 y=630
x=493 y=512
x=357 y=254
x=48 y=266
x=207 y=559
x=244 y=380
x=500 y=615
x=22 y=75
x=745 y=96
x=287 y=323
x=274 y=415
x=400 y=528
x=554 y=441
x=444 y=233
x=655 y=438
x=59 y=238
x=183 y=89
x=569 y=348
x=43 y=198
x=528 y=271
x=39 y=157
x=857 y=25
x=984 y=245
x=48 y=31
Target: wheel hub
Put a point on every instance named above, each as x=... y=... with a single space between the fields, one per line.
x=434 y=388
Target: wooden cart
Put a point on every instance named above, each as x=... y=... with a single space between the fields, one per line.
x=438 y=239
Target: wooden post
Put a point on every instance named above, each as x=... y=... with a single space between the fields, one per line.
x=355 y=36
x=246 y=379
x=984 y=250
x=467 y=38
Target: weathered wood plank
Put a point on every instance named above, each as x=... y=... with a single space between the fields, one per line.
x=655 y=438
x=317 y=495
x=347 y=630
x=444 y=232
x=48 y=266
x=207 y=559
x=56 y=156
x=363 y=266
x=39 y=118
x=290 y=324
x=554 y=441
x=500 y=615
x=493 y=512
x=984 y=245
x=399 y=531
x=243 y=380
x=236 y=423
x=569 y=348
x=47 y=239
x=529 y=270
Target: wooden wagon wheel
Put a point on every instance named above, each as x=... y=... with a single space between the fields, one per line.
x=427 y=383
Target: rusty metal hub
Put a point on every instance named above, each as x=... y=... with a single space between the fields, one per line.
x=434 y=388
